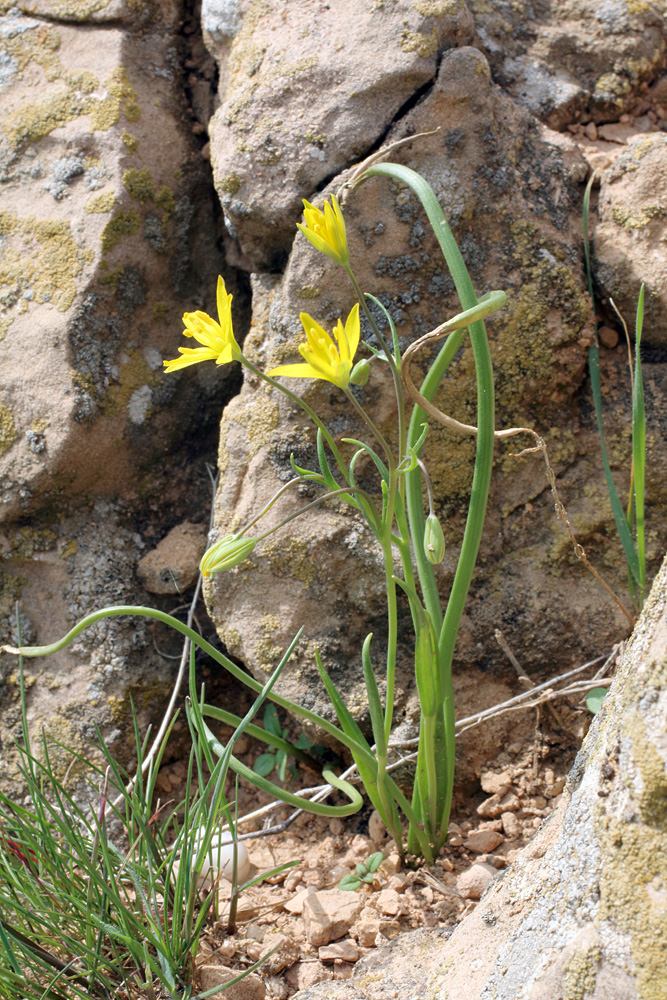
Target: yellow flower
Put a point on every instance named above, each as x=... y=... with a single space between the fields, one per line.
x=326 y=230
x=218 y=340
x=326 y=358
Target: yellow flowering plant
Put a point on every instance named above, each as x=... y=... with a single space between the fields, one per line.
x=407 y=538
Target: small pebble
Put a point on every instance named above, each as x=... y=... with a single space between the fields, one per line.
x=472 y=883
x=483 y=841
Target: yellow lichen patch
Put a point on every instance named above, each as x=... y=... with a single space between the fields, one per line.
x=141 y=186
x=290 y=557
x=438 y=8
x=423 y=45
x=77 y=10
x=612 y=86
x=134 y=373
x=34 y=121
x=121 y=97
x=260 y=419
x=44 y=256
x=638 y=6
x=131 y=141
x=580 y=973
x=100 y=203
x=124 y=223
x=308 y=292
x=27 y=541
x=229 y=184
x=5 y=323
x=8 y=433
x=633 y=857
x=160 y=310
x=66 y=749
x=639 y=219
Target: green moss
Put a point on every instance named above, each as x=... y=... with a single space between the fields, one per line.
x=111 y=279
x=423 y=45
x=8 y=434
x=580 y=973
x=131 y=141
x=160 y=310
x=100 y=203
x=124 y=223
x=229 y=184
x=121 y=97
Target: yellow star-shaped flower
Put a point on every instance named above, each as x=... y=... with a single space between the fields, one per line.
x=326 y=357
x=217 y=338
x=326 y=230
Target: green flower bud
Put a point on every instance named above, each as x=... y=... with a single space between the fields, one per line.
x=225 y=554
x=434 y=540
x=361 y=372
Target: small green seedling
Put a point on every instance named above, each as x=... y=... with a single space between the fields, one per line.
x=267 y=762
x=594 y=699
x=363 y=873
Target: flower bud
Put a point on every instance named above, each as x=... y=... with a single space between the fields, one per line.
x=361 y=372
x=225 y=554
x=434 y=540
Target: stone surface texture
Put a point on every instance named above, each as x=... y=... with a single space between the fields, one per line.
x=629 y=240
x=102 y=188
x=271 y=143
x=569 y=57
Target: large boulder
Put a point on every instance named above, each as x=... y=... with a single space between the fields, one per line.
x=571 y=59
x=102 y=192
x=307 y=88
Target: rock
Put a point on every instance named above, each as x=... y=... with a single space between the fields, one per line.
x=511 y=825
x=306 y=974
x=366 y=931
x=472 y=883
x=100 y=203
x=608 y=337
x=483 y=841
x=251 y=987
x=345 y=951
x=582 y=909
x=496 y=784
x=329 y=915
x=288 y=952
x=173 y=565
x=631 y=232
x=498 y=804
x=295 y=905
x=576 y=57
x=377 y=831
x=389 y=902
x=272 y=143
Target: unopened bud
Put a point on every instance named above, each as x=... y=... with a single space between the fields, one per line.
x=225 y=554
x=361 y=372
x=434 y=540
